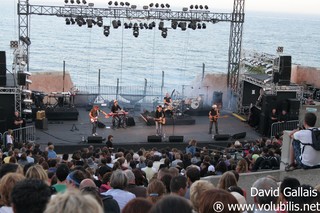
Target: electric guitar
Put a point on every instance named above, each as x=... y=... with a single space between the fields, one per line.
x=215 y=117
x=161 y=120
x=95 y=119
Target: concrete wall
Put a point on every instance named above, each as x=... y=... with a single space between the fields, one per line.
x=305 y=75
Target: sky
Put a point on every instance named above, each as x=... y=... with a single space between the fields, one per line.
x=280 y=6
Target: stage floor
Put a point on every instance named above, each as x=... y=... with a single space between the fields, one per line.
x=68 y=135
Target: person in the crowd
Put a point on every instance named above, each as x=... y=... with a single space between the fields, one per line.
x=290 y=184
x=137 y=205
x=74 y=202
x=155 y=190
x=178 y=185
x=138 y=191
x=51 y=153
x=109 y=142
x=226 y=180
x=196 y=190
x=119 y=182
x=61 y=174
x=172 y=204
x=37 y=172
x=264 y=200
x=30 y=196
x=192 y=147
x=192 y=174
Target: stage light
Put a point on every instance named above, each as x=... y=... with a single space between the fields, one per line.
x=122 y=4
x=199 y=26
x=115 y=3
x=68 y=21
x=136 y=31
x=27 y=111
x=201 y=7
x=193 y=25
x=89 y=23
x=94 y=22
x=106 y=30
x=126 y=26
x=161 y=25
x=174 y=24
x=184 y=9
x=145 y=7
x=191 y=7
x=25 y=40
x=79 y=22
x=162 y=5
x=183 y=25
x=145 y=25
x=150 y=26
x=110 y=3
x=206 y=7
x=141 y=26
x=168 y=5
x=72 y=1
x=164 y=32
x=72 y=21
x=151 y=5
x=78 y=2
x=115 y=24
x=153 y=24
x=196 y=7
x=156 y=5
x=204 y=26
x=99 y=21
x=84 y=2
x=66 y=1
x=119 y=23
x=127 y=4
x=134 y=7
x=130 y=25
x=91 y=4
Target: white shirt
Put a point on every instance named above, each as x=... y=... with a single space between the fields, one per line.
x=310 y=156
x=122 y=197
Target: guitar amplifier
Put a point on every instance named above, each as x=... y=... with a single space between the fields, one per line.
x=130 y=121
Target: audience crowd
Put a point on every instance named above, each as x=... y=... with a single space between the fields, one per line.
x=35 y=179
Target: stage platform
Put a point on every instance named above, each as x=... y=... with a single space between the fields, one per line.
x=71 y=135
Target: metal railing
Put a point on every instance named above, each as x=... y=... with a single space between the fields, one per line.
x=24 y=134
x=279 y=127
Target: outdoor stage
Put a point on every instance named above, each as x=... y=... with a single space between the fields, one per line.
x=72 y=135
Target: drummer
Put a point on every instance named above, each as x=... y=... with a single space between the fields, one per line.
x=167 y=100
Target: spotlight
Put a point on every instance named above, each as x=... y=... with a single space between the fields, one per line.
x=78 y=2
x=66 y=1
x=84 y=2
x=115 y=24
x=94 y=22
x=153 y=24
x=145 y=7
x=184 y=9
x=89 y=23
x=25 y=40
x=151 y=5
x=136 y=32
x=119 y=23
x=79 y=22
x=110 y=3
x=72 y=21
x=183 y=25
x=191 y=7
x=122 y=4
x=127 y=4
x=168 y=5
x=193 y=25
x=106 y=30
x=67 y=21
x=196 y=7
x=162 y=5
x=135 y=25
x=99 y=21
x=204 y=26
x=130 y=25
x=201 y=7
x=141 y=26
x=161 y=24
x=145 y=25
x=156 y=5
x=199 y=26
x=174 y=24
x=206 y=7
x=150 y=26
x=164 y=32
x=134 y=7
x=72 y=1
x=126 y=26
x=115 y=3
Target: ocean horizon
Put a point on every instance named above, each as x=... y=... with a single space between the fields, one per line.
x=180 y=56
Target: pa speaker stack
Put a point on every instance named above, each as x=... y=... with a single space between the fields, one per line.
x=222 y=137
x=3 y=69
x=154 y=139
x=94 y=139
x=176 y=139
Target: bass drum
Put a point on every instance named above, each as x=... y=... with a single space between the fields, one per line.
x=195 y=104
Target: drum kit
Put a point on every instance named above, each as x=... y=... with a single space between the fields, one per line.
x=178 y=106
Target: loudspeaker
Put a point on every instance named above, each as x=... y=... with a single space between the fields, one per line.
x=94 y=139
x=130 y=121
x=239 y=135
x=3 y=63
x=22 y=78
x=154 y=139
x=268 y=103
x=42 y=124
x=285 y=70
x=276 y=75
x=294 y=108
x=175 y=139
x=3 y=80
x=223 y=137
x=263 y=124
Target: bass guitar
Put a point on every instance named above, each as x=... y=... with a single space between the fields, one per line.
x=215 y=117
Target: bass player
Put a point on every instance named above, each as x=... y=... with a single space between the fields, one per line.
x=213 y=117
x=159 y=119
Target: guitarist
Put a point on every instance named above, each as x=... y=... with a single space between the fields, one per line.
x=213 y=116
x=159 y=120
x=93 y=114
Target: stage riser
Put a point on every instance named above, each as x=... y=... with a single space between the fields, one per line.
x=170 y=121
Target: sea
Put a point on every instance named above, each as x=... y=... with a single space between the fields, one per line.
x=182 y=56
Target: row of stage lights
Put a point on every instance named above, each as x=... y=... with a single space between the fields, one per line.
x=77 y=1
x=117 y=23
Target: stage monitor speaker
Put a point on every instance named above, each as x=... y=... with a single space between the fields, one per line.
x=130 y=121
x=239 y=135
x=175 y=139
x=94 y=139
x=154 y=139
x=22 y=77
x=222 y=137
